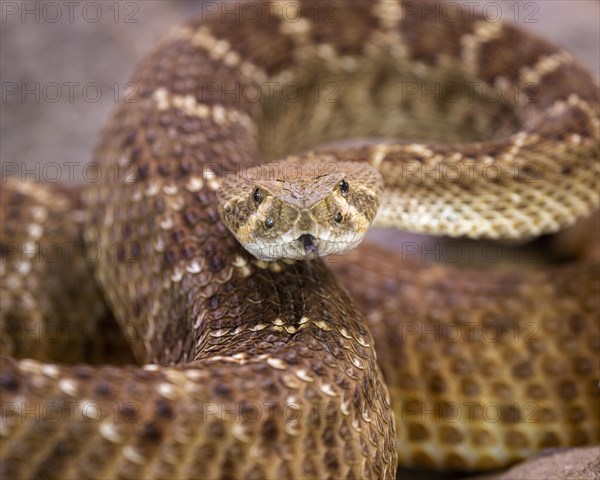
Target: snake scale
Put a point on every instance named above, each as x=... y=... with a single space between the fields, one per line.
x=267 y=369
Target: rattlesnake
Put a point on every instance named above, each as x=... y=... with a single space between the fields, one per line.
x=260 y=369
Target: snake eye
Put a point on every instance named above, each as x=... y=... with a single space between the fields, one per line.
x=269 y=222
x=338 y=217
x=344 y=187
x=258 y=196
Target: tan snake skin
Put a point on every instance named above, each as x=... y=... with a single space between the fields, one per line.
x=268 y=370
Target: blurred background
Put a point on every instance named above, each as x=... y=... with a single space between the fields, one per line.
x=94 y=45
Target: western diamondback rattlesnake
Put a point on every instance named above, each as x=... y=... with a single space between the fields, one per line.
x=266 y=370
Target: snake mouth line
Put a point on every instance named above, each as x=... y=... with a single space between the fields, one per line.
x=308 y=242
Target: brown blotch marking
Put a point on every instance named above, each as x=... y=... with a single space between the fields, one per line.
x=291 y=357
x=165 y=120
x=169 y=257
x=216 y=263
x=577 y=324
x=454 y=461
x=82 y=372
x=536 y=391
x=128 y=412
x=249 y=411
x=270 y=431
x=285 y=470
x=517 y=439
x=510 y=414
x=502 y=390
x=547 y=415
x=256 y=473
x=216 y=429
x=213 y=302
x=570 y=77
x=213 y=215
x=192 y=216
x=205 y=453
x=350 y=455
x=164 y=410
x=429 y=38
x=497 y=57
x=126 y=231
x=9 y=382
x=576 y=414
x=582 y=366
x=437 y=384
x=309 y=468
x=234 y=455
x=143 y=169
x=164 y=169
x=594 y=343
x=567 y=390
x=151 y=135
x=418 y=432
x=159 y=205
x=319 y=369
x=489 y=369
x=178 y=235
x=331 y=461
x=130 y=138
x=552 y=366
x=332 y=16
x=523 y=370
x=328 y=437
x=103 y=389
x=451 y=435
x=5 y=249
x=566 y=170
x=470 y=387
x=258 y=41
x=559 y=126
x=483 y=438
x=222 y=390
x=62 y=449
x=188 y=250
x=579 y=437
x=491 y=462
x=185 y=164
x=151 y=432
x=549 y=439
x=422 y=459
x=332 y=413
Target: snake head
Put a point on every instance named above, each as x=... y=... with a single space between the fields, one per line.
x=300 y=209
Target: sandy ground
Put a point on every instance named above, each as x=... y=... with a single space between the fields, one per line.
x=576 y=464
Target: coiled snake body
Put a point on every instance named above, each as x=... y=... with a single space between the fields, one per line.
x=260 y=369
